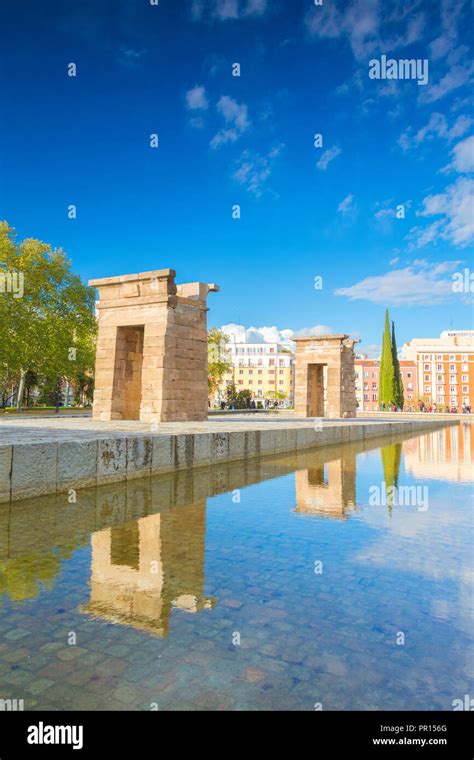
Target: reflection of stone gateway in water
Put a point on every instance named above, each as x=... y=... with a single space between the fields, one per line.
x=142 y=570
x=334 y=498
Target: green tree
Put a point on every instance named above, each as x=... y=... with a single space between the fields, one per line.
x=391 y=458
x=48 y=325
x=218 y=358
x=387 y=369
x=398 y=382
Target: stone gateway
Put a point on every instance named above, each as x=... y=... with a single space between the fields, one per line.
x=324 y=376
x=151 y=362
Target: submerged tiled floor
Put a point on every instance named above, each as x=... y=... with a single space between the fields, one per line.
x=219 y=603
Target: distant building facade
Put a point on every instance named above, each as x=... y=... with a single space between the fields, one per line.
x=445 y=368
x=265 y=369
x=367 y=384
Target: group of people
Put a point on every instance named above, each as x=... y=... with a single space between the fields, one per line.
x=430 y=408
x=251 y=404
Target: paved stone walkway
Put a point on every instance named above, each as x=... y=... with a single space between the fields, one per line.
x=36 y=429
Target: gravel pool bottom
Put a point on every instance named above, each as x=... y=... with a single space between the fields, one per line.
x=299 y=583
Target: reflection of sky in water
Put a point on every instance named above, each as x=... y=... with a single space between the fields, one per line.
x=156 y=602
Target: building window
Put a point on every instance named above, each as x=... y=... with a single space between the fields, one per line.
x=366 y=396
x=427 y=366
x=281 y=382
x=427 y=388
x=366 y=374
x=427 y=378
x=439 y=367
x=271 y=362
x=260 y=382
x=465 y=389
x=465 y=378
x=241 y=382
x=241 y=372
x=250 y=382
x=374 y=397
x=282 y=371
x=452 y=368
x=464 y=368
x=409 y=375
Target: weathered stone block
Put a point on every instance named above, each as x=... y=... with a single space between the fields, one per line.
x=111 y=460
x=5 y=472
x=34 y=469
x=163 y=458
x=77 y=464
x=139 y=456
x=219 y=446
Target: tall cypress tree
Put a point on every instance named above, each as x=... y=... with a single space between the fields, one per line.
x=387 y=370
x=398 y=383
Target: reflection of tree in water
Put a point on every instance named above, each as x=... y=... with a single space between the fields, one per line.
x=25 y=577
x=391 y=458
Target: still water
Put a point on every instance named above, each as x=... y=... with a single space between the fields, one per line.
x=318 y=580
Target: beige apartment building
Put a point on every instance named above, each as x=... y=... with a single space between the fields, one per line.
x=262 y=368
x=445 y=368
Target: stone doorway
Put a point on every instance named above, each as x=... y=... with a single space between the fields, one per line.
x=317 y=390
x=127 y=384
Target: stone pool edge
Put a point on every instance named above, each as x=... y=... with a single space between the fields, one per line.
x=30 y=469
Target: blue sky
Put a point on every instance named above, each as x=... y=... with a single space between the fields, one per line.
x=306 y=211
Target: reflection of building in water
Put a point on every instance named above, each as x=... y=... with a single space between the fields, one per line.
x=327 y=490
x=446 y=454
x=144 y=569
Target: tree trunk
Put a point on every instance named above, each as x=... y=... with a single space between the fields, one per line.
x=21 y=389
x=58 y=386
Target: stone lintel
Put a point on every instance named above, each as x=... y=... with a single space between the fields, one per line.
x=312 y=338
x=152 y=275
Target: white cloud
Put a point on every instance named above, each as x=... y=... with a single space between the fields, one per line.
x=254 y=170
x=450 y=12
x=227 y=10
x=328 y=156
x=457 y=76
x=437 y=126
x=419 y=284
x=236 y=117
x=455 y=206
x=347 y=205
x=196 y=99
x=366 y=25
x=463 y=156
x=270 y=334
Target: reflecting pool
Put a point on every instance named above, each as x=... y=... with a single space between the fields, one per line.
x=337 y=579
